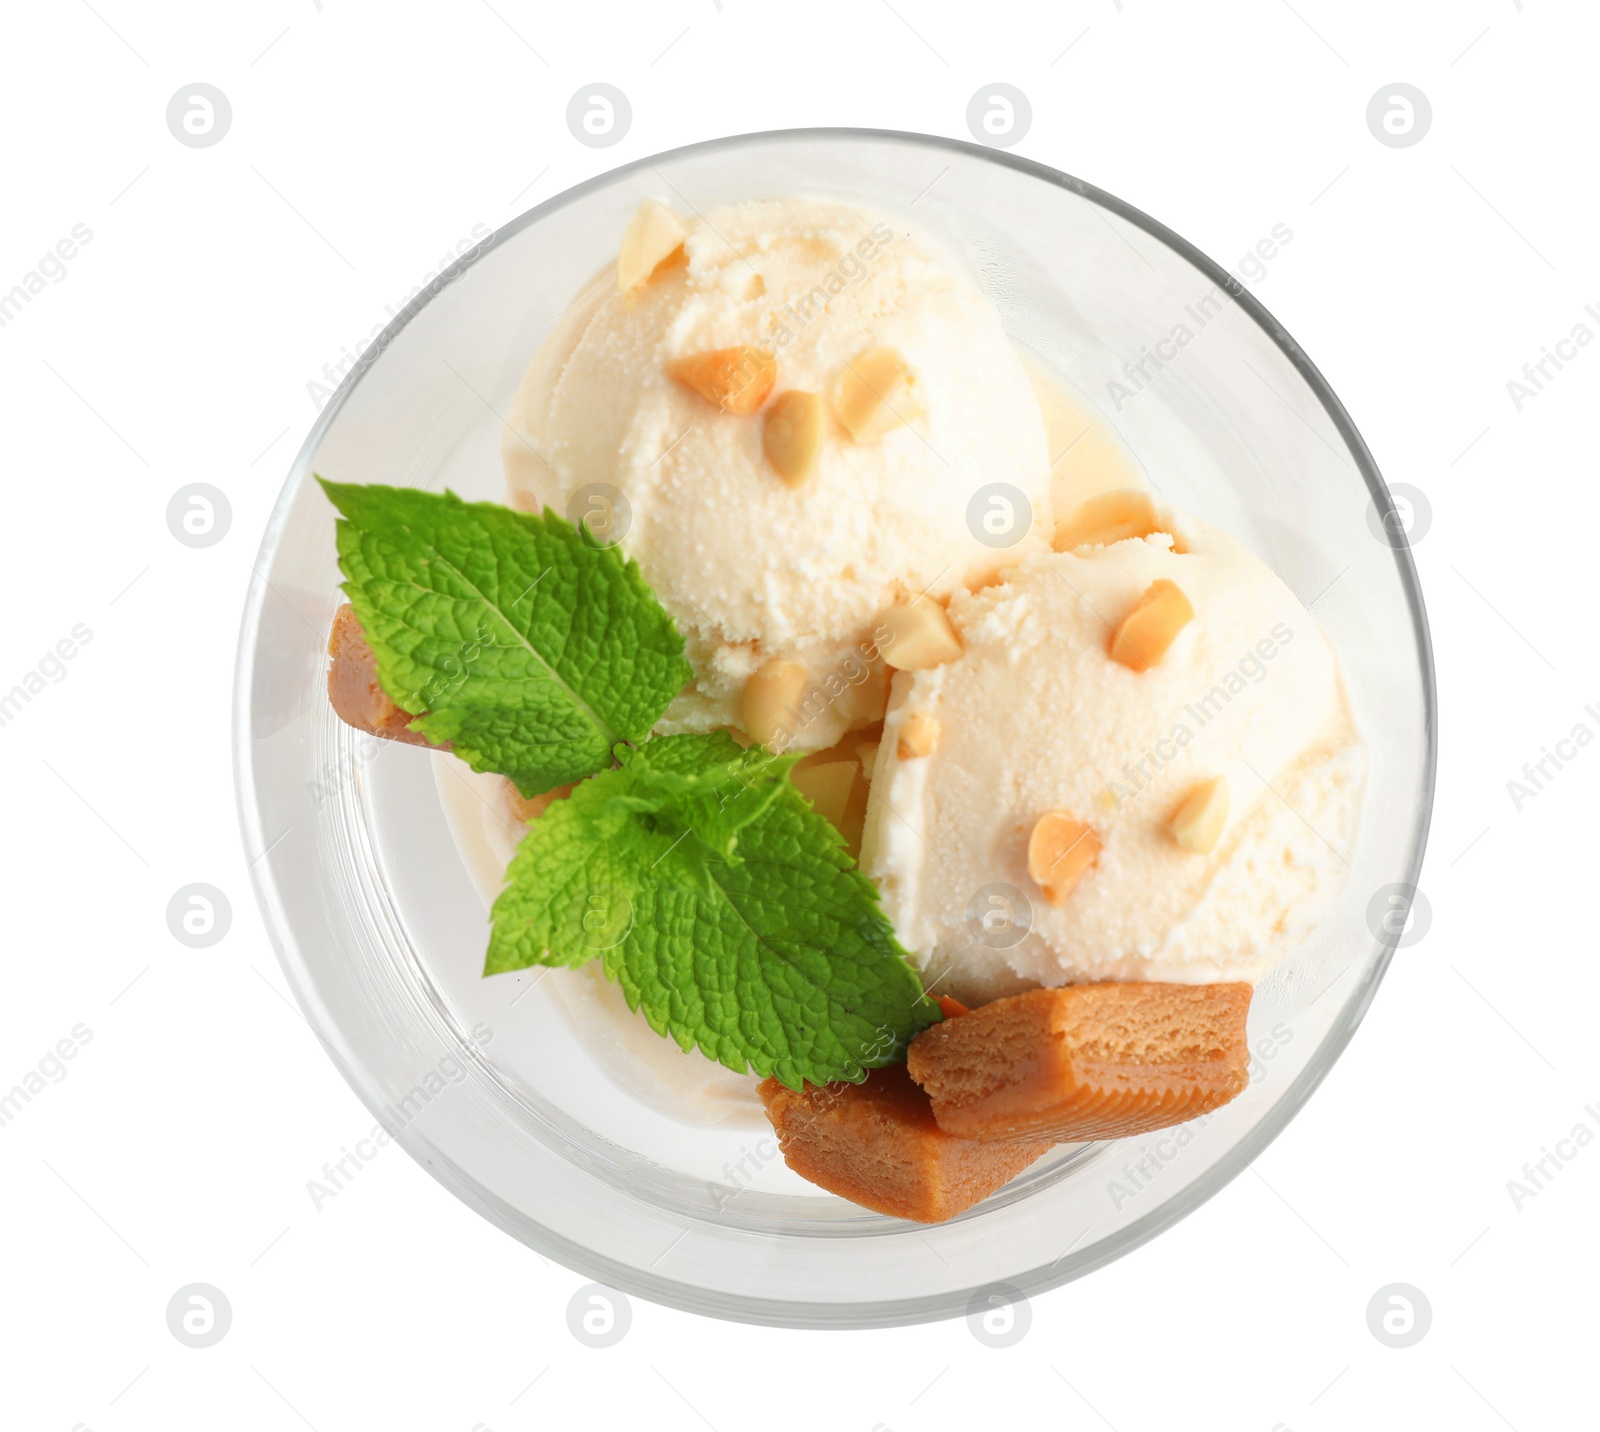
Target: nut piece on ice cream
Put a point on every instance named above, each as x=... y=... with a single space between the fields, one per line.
x=919 y=636
x=875 y=393
x=1109 y=517
x=653 y=235
x=1197 y=824
x=1143 y=636
x=1060 y=852
x=919 y=734
x=759 y=548
x=1100 y=1061
x=792 y=434
x=737 y=380
x=878 y=1144
x=769 y=695
x=1037 y=720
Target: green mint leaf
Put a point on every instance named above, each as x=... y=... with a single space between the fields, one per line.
x=724 y=906
x=530 y=647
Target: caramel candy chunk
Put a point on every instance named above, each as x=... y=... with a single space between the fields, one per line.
x=878 y=1145
x=353 y=688
x=1096 y=1061
x=528 y=809
x=1151 y=627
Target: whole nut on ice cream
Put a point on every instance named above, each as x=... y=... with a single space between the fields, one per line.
x=791 y=434
x=653 y=235
x=874 y=393
x=920 y=636
x=768 y=695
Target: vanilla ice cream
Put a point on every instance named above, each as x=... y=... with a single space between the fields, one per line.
x=1036 y=717
x=755 y=569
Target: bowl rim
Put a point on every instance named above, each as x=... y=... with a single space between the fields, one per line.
x=689 y=1297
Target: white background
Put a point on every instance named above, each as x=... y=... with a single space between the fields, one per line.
x=368 y=139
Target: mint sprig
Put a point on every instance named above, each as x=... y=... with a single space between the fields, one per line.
x=723 y=905
x=530 y=647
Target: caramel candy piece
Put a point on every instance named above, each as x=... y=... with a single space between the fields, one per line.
x=878 y=1145
x=1152 y=626
x=1096 y=1061
x=353 y=688
x=528 y=809
x=737 y=380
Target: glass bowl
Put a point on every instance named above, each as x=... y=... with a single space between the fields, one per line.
x=381 y=932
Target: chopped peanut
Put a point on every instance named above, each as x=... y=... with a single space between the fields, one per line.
x=920 y=636
x=919 y=734
x=1060 y=852
x=874 y=393
x=654 y=234
x=768 y=695
x=737 y=380
x=1109 y=517
x=1151 y=627
x=792 y=434
x=1197 y=824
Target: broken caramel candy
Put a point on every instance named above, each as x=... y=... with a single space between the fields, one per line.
x=1096 y=1061
x=353 y=688
x=878 y=1145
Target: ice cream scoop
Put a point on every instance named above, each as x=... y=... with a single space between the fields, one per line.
x=785 y=411
x=1139 y=767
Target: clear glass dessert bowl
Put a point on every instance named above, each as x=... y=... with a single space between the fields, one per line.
x=381 y=931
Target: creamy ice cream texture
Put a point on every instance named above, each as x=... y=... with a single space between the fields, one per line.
x=1037 y=717
x=752 y=567
x=1218 y=787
